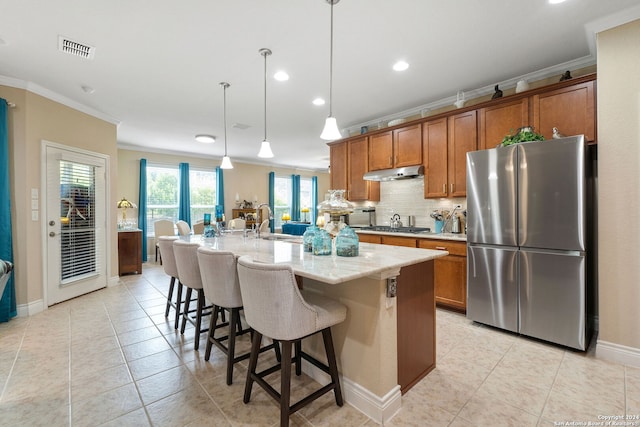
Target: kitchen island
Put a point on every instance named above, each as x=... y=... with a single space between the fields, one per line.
x=387 y=343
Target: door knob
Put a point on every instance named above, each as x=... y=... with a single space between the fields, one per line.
x=52 y=234
x=52 y=223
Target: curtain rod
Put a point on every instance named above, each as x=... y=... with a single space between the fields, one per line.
x=11 y=104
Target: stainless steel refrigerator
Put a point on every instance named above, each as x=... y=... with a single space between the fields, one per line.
x=528 y=236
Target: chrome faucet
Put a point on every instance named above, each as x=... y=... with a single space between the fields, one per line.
x=259 y=216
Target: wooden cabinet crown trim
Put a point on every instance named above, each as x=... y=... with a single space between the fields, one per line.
x=489 y=103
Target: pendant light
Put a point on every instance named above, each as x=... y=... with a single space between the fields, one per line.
x=226 y=161
x=265 y=147
x=330 y=131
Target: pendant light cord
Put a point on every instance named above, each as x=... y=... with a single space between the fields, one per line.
x=265 y=53
x=224 y=113
x=331 y=63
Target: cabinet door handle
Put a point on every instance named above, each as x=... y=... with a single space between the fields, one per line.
x=451 y=188
x=390 y=160
x=441 y=248
x=444 y=188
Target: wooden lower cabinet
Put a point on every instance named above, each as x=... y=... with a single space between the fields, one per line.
x=369 y=238
x=398 y=241
x=450 y=275
x=129 y=252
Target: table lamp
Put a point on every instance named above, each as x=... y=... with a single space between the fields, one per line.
x=124 y=204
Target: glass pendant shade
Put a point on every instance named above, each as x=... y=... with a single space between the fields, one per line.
x=265 y=150
x=226 y=163
x=330 y=131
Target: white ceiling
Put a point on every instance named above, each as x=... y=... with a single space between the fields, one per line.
x=158 y=64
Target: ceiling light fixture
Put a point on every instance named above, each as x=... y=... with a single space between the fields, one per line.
x=226 y=161
x=207 y=139
x=265 y=147
x=556 y=1
x=318 y=101
x=281 y=76
x=330 y=131
x=400 y=66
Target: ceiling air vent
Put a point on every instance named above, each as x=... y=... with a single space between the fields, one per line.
x=75 y=48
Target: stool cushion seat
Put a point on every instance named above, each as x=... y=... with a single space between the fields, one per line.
x=275 y=307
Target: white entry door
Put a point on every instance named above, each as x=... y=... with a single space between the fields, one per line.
x=75 y=216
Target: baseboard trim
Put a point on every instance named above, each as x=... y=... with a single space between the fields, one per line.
x=618 y=353
x=34 y=307
x=379 y=409
x=113 y=281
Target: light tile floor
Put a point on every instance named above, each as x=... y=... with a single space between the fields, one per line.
x=111 y=358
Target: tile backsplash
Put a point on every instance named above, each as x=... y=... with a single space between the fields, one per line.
x=406 y=197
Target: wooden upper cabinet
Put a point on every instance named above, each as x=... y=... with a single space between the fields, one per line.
x=434 y=142
x=358 y=189
x=338 y=162
x=396 y=148
x=570 y=109
x=502 y=119
x=407 y=146
x=381 y=151
x=463 y=137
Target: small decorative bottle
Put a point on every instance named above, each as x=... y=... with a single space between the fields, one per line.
x=307 y=238
x=347 y=242
x=321 y=243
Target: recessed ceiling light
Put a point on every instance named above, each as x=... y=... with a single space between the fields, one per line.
x=556 y=1
x=318 y=101
x=207 y=139
x=400 y=66
x=281 y=76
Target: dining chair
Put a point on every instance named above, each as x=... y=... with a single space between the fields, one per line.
x=237 y=224
x=170 y=268
x=274 y=307
x=198 y=227
x=162 y=227
x=183 y=228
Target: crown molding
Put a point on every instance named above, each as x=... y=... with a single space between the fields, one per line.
x=56 y=97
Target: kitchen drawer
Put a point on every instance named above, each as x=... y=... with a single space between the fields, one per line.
x=454 y=248
x=369 y=238
x=399 y=241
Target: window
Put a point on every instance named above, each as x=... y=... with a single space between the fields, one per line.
x=202 y=187
x=282 y=198
x=162 y=194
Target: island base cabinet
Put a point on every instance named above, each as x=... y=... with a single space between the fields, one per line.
x=416 y=324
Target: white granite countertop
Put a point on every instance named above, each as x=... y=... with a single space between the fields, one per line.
x=440 y=236
x=286 y=249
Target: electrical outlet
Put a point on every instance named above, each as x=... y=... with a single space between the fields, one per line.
x=392 y=287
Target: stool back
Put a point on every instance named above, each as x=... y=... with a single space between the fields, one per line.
x=168 y=258
x=198 y=227
x=186 y=254
x=219 y=277
x=272 y=301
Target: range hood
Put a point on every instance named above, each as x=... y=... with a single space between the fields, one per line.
x=393 y=174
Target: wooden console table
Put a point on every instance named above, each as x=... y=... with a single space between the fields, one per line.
x=129 y=251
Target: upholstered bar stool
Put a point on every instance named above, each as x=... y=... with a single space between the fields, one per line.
x=220 y=283
x=165 y=244
x=186 y=254
x=276 y=308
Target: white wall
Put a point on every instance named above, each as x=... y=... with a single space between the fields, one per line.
x=619 y=191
